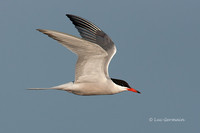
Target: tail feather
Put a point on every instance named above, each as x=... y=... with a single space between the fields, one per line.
x=45 y=88
x=66 y=86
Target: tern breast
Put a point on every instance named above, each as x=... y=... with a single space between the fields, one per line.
x=97 y=88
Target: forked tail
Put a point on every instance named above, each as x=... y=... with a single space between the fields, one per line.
x=66 y=87
x=44 y=88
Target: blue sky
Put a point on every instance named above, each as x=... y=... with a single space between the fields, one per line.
x=158 y=54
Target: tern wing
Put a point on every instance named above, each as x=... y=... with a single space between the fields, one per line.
x=92 y=33
x=91 y=57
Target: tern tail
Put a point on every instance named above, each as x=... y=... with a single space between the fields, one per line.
x=66 y=87
x=53 y=88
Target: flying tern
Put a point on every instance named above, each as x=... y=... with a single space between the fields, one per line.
x=95 y=50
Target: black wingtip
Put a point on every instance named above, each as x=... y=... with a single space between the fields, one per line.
x=139 y=92
x=69 y=15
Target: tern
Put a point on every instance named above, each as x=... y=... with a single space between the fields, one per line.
x=95 y=50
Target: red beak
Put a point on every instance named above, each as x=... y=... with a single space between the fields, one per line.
x=133 y=90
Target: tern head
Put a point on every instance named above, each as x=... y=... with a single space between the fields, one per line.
x=124 y=85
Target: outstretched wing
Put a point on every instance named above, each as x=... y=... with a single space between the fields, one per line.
x=92 y=33
x=91 y=57
x=94 y=50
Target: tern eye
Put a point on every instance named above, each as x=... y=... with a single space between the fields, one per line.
x=121 y=82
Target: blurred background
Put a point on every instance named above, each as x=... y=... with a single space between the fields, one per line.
x=158 y=54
